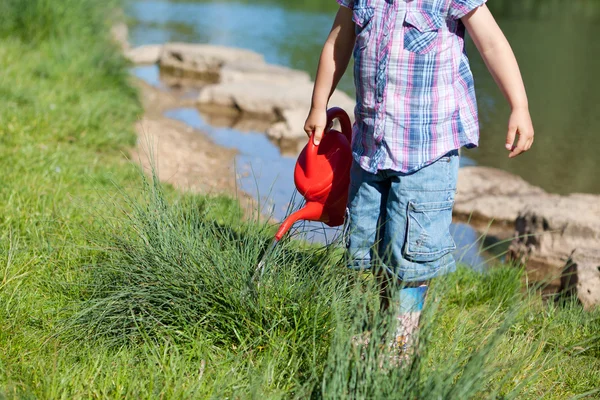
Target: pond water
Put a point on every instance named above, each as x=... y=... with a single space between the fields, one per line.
x=556 y=43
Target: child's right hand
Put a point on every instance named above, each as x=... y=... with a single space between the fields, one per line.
x=316 y=123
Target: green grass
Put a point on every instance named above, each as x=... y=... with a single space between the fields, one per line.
x=116 y=286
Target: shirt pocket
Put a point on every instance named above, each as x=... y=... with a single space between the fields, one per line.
x=428 y=235
x=421 y=31
x=363 y=22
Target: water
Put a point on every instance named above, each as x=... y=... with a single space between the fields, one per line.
x=555 y=42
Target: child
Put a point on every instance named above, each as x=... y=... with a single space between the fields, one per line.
x=415 y=109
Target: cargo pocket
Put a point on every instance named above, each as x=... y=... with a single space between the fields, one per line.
x=363 y=22
x=421 y=29
x=428 y=236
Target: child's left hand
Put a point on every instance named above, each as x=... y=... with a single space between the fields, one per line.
x=519 y=124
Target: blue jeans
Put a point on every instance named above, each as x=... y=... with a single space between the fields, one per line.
x=401 y=222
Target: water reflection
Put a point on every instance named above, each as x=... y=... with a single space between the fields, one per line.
x=555 y=42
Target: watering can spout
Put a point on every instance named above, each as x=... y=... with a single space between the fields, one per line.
x=312 y=212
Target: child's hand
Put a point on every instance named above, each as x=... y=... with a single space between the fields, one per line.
x=519 y=124
x=316 y=123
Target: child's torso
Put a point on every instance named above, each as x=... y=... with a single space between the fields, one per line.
x=415 y=97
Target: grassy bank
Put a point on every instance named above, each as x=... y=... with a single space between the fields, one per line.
x=113 y=286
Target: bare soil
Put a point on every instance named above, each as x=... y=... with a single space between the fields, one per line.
x=182 y=156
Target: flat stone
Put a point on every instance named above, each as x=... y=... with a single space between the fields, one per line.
x=548 y=228
x=202 y=61
x=259 y=71
x=269 y=99
x=144 y=55
x=489 y=195
x=575 y=217
x=255 y=97
x=561 y=249
x=292 y=126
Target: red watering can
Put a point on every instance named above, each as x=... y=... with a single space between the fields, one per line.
x=322 y=175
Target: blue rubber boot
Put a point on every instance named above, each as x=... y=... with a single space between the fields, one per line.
x=409 y=314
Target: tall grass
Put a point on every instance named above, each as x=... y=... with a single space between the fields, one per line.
x=184 y=270
x=189 y=265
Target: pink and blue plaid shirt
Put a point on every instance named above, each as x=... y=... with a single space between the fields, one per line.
x=414 y=86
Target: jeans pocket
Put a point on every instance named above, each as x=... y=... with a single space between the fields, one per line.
x=428 y=235
x=449 y=156
x=421 y=29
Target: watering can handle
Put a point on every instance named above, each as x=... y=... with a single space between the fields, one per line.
x=312 y=149
x=342 y=116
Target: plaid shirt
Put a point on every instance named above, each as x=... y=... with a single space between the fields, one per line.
x=414 y=87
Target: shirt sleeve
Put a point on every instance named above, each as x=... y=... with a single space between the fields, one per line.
x=460 y=8
x=346 y=3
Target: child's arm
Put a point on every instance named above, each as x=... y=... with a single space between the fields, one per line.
x=501 y=63
x=332 y=65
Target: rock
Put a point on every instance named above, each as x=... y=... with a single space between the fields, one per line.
x=144 y=55
x=532 y=247
x=488 y=195
x=264 y=98
x=292 y=126
x=582 y=278
x=243 y=84
x=548 y=228
x=561 y=247
x=492 y=195
x=284 y=103
x=255 y=97
x=289 y=134
x=202 y=61
x=560 y=224
x=259 y=71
